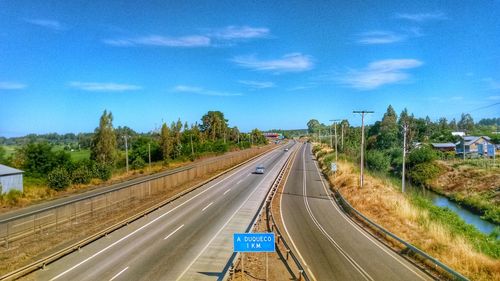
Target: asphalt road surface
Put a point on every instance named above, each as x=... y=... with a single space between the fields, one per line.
x=188 y=239
x=331 y=246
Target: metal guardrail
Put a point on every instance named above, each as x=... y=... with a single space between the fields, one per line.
x=350 y=209
x=266 y=203
x=274 y=227
x=41 y=263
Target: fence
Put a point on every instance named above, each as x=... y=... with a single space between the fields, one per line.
x=56 y=220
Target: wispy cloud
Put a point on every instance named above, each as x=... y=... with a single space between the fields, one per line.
x=202 y=91
x=211 y=38
x=46 y=23
x=494 y=97
x=294 y=62
x=257 y=84
x=104 y=87
x=422 y=17
x=161 y=41
x=379 y=73
x=380 y=37
x=5 y=85
x=240 y=32
x=492 y=83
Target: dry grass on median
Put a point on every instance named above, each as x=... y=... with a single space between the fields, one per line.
x=388 y=207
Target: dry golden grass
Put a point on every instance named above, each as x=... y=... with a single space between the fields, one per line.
x=382 y=203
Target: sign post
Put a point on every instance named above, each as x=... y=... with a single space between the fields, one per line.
x=253 y=243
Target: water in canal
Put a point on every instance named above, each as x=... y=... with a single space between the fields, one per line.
x=468 y=216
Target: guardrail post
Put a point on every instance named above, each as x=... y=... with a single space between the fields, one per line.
x=300 y=274
x=287 y=253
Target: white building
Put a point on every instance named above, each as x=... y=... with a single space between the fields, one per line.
x=10 y=178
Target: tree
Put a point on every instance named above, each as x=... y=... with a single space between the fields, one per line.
x=38 y=159
x=165 y=142
x=213 y=125
x=313 y=126
x=466 y=122
x=103 y=148
x=388 y=136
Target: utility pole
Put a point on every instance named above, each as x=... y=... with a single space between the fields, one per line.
x=405 y=128
x=149 y=154
x=342 y=135
x=363 y=112
x=331 y=137
x=126 y=151
x=336 y=143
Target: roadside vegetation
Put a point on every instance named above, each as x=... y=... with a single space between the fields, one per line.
x=473 y=183
x=437 y=231
x=56 y=165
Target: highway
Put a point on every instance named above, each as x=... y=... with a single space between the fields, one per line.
x=330 y=245
x=188 y=239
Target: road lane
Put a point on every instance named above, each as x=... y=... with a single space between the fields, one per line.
x=332 y=246
x=143 y=249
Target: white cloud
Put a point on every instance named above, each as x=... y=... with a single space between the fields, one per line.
x=241 y=32
x=379 y=73
x=162 y=41
x=104 y=87
x=294 y=62
x=5 y=85
x=380 y=37
x=45 y=23
x=422 y=17
x=202 y=91
x=257 y=84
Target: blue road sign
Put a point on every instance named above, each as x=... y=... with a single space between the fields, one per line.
x=253 y=242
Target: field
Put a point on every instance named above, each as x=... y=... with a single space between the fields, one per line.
x=75 y=155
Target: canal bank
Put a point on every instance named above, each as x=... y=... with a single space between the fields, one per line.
x=467 y=214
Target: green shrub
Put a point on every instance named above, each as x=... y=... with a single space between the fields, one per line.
x=377 y=161
x=81 y=175
x=138 y=163
x=58 y=179
x=421 y=155
x=103 y=171
x=424 y=172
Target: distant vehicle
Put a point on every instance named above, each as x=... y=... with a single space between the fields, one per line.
x=286 y=149
x=260 y=169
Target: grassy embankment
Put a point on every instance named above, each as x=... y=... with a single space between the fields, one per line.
x=472 y=183
x=437 y=231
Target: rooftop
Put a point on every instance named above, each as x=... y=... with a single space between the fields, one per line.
x=6 y=170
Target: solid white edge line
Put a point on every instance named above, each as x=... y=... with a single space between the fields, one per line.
x=225 y=224
x=229 y=175
x=357 y=227
x=118 y=274
x=344 y=253
x=173 y=232
x=206 y=207
x=286 y=230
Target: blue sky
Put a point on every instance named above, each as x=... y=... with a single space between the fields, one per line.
x=265 y=64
